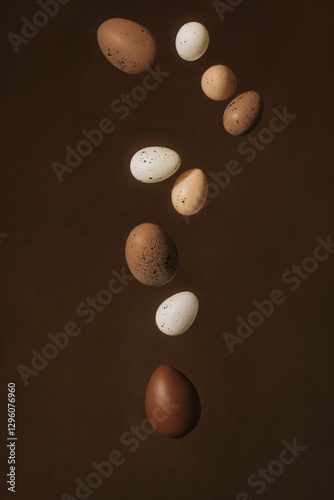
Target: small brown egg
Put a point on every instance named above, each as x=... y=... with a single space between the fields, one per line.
x=190 y=191
x=219 y=82
x=243 y=113
x=151 y=255
x=129 y=46
x=172 y=402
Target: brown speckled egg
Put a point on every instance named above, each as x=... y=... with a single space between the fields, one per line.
x=127 y=45
x=219 y=82
x=190 y=191
x=172 y=403
x=243 y=113
x=151 y=255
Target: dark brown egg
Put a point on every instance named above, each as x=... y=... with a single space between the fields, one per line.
x=151 y=255
x=172 y=403
x=129 y=46
x=243 y=113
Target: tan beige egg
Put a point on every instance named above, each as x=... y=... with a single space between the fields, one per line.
x=219 y=82
x=243 y=113
x=190 y=191
x=127 y=45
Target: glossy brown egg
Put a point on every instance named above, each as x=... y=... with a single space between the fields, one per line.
x=151 y=255
x=243 y=113
x=129 y=46
x=172 y=403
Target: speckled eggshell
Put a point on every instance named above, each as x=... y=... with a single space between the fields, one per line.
x=151 y=255
x=154 y=164
x=177 y=313
x=219 y=82
x=172 y=402
x=243 y=113
x=192 y=41
x=129 y=46
x=190 y=191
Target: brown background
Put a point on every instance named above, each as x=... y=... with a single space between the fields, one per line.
x=65 y=238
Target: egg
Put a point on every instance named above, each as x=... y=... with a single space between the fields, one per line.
x=192 y=41
x=190 y=191
x=172 y=403
x=177 y=313
x=129 y=46
x=243 y=113
x=219 y=82
x=154 y=164
x=151 y=255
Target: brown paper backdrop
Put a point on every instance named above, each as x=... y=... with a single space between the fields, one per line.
x=64 y=239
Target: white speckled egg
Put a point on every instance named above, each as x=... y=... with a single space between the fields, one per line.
x=192 y=41
x=177 y=313
x=154 y=164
